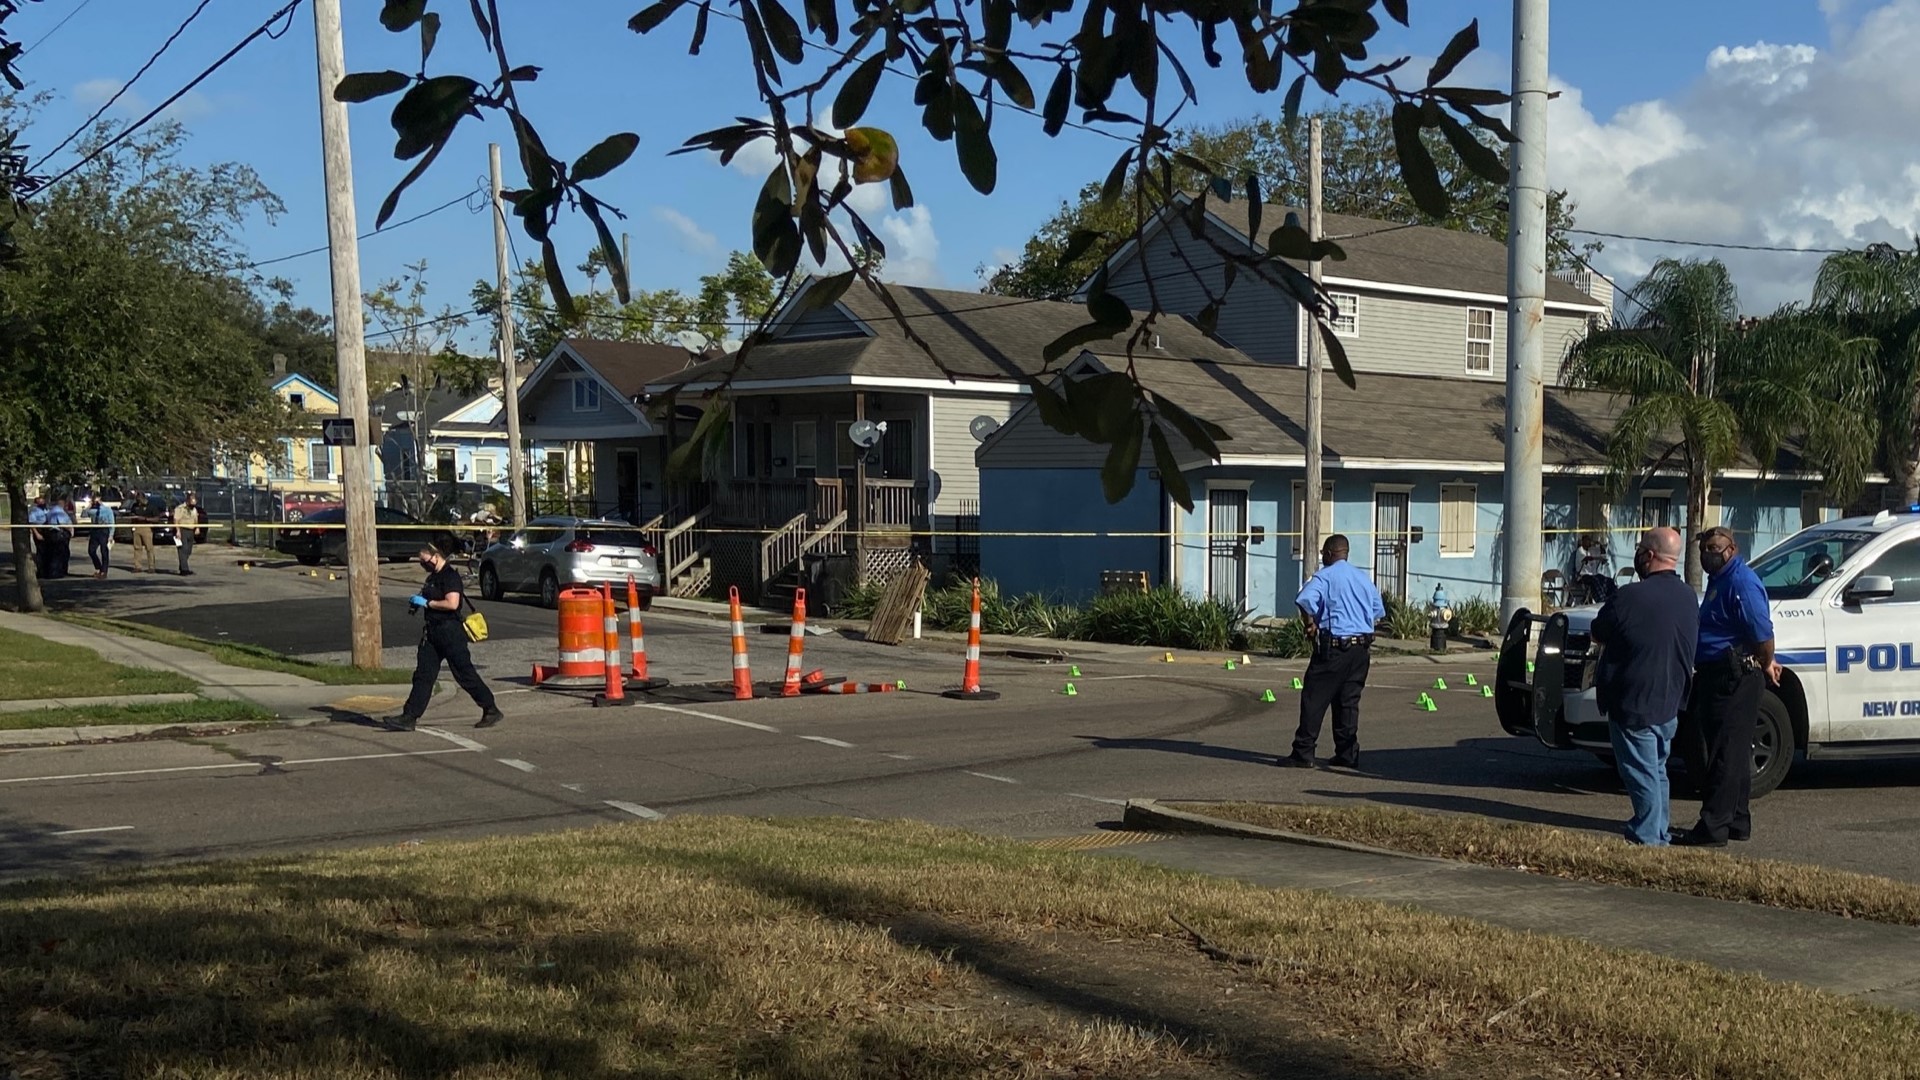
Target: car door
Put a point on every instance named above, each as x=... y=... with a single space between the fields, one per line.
x=1873 y=680
x=510 y=559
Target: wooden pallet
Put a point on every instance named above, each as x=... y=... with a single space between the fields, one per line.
x=897 y=605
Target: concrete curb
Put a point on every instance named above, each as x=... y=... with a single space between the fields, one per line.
x=1148 y=815
x=37 y=704
x=113 y=733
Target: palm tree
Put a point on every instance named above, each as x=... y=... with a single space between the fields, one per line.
x=1702 y=386
x=1875 y=293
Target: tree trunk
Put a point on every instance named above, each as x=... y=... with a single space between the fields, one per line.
x=1698 y=488
x=26 y=575
x=1909 y=480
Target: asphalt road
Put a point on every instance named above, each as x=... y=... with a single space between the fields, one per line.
x=1035 y=763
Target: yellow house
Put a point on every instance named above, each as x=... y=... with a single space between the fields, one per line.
x=305 y=464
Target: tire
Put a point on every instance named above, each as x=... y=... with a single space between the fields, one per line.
x=489 y=584
x=309 y=558
x=646 y=601
x=549 y=590
x=1772 y=744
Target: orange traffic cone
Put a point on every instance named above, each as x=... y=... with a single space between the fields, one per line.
x=616 y=693
x=970 y=681
x=638 y=633
x=742 y=678
x=796 y=637
x=855 y=688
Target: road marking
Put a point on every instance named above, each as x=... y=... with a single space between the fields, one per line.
x=827 y=741
x=228 y=765
x=372 y=757
x=516 y=763
x=637 y=810
x=575 y=787
x=1117 y=678
x=990 y=776
x=714 y=716
x=83 y=832
x=457 y=740
x=1096 y=798
x=899 y=757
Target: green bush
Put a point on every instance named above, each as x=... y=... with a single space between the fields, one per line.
x=1476 y=615
x=1164 y=617
x=1287 y=640
x=1406 y=621
x=860 y=602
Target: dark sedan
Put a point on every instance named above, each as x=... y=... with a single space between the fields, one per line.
x=322 y=536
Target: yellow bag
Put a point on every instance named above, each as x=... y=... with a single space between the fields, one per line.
x=475 y=624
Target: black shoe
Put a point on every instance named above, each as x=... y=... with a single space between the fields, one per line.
x=490 y=718
x=1294 y=761
x=398 y=722
x=1344 y=762
x=1696 y=838
x=1739 y=837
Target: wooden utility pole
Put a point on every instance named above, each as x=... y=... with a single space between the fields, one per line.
x=509 y=379
x=857 y=499
x=1310 y=495
x=356 y=466
x=1522 y=520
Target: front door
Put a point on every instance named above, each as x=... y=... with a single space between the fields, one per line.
x=1390 y=538
x=1227 y=545
x=627 y=479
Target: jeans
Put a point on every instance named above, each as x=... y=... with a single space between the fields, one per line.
x=1641 y=756
x=99 y=549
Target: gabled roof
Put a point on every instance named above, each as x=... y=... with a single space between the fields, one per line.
x=278 y=383
x=435 y=405
x=628 y=366
x=1394 y=419
x=977 y=337
x=1386 y=253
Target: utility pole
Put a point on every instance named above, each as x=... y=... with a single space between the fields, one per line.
x=1523 y=520
x=1310 y=495
x=509 y=381
x=349 y=342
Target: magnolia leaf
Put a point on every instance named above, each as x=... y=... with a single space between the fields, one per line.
x=1416 y=163
x=1116 y=184
x=653 y=15
x=398 y=15
x=1103 y=405
x=1073 y=339
x=1483 y=160
x=1172 y=480
x=367 y=85
x=875 y=154
x=427 y=113
x=1290 y=107
x=902 y=192
x=1123 y=462
x=855 y=94
x=1053 y=410
x=1203 y=435
x=1079 y=243
x=827 y=291
x=610 y=154
x=1059 y=98
x=1464 y=42
x=782 y=32
x=1336 y=354
x=1397 y=9
x=974 y=143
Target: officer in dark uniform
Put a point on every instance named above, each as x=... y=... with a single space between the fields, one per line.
x=1339 y=606
x=1733 y=658
x=441 y=639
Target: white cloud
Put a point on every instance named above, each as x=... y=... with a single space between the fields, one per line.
x=692 y=237
x=1777 y=144
x=93 y=93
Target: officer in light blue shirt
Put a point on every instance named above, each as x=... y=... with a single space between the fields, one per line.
x=37 y=517
x=1339 y=606
x=100 y=538
x=1732 y=666
x=59 y=534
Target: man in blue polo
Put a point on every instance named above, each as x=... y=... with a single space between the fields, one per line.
x=1339 y=607
x=1732 y=667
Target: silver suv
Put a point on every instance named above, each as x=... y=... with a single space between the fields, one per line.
x=552 y=552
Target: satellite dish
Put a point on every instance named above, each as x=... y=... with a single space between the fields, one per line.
x=730 y=346
x=982 y=428
x=863 y=433
x=693 y=341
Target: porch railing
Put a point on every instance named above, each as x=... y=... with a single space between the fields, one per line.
x=683 y=545
x=896 y=504
x=771 y=504
x=792 y=542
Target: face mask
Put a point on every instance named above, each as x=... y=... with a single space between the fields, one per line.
x=1713 y=562
x=1642 y=564
x=427 y=565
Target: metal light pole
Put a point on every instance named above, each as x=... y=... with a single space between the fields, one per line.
x=363 y=564
x=1526 y=312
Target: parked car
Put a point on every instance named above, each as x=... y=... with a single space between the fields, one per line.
x=393 y=537
x=299 y=506
x=552 y=552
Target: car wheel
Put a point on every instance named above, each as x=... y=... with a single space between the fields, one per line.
x=1772 y=744
x=294 y=515
x=309 y=558
x=549 y=590
x=646 y=601
x=489 y=584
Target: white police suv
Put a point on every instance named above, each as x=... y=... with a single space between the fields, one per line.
x=1845 y=597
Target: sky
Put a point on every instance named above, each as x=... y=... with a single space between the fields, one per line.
x=1758 y=122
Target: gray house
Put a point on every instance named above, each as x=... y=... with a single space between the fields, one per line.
x=1412 y=299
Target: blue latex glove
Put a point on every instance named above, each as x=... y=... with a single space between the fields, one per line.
x=417 y=600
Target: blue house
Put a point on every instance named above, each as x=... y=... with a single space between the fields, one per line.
x=1413 y=477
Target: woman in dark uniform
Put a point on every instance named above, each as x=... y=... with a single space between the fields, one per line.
x=442 y=638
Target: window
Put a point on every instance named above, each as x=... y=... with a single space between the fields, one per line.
x=1300 y=512
x=586 y=394
x=806 y=448
x=319 y=460
x=1480 y=339
x=444 y=469
x=1656 y=508
x=556 y=470
x=1590 y=512
x=282 y=465
x=485 y=468
x=1347 y=322
x=1459 y=511
x=845 y=454
x=1902 y=564
x=1813 y=508
x=298 y=401
x=1715 y=515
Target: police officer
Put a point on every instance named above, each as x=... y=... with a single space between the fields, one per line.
x=1339 y=606
x=441 y=639
x=1734 y=655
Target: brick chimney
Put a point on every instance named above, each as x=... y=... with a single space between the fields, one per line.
x=279 y=365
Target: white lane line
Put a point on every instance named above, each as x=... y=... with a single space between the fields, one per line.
x=990 y=776
x=516 y=763
x=226 y=765
x=636 y=810
x=575 y=787
x=827 y=741
x=1096 y=798
x=714 y=716
x=83 y=832
x=457 y=740
x=899 y=757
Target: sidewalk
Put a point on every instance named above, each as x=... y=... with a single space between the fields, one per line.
x=1877 y=963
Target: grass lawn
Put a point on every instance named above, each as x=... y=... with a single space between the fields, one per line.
x=245 y=656
x=185 y=712
x=32 y=667
x=1585 y=856
x=828 y=948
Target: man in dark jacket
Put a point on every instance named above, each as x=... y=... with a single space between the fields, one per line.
x=1648 y=632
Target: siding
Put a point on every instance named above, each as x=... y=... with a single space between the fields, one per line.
x=1257 y=318
x=1406 y=335
x=552 y=403
x=828 y=322
x=1066 y=501
x=954 y=445
x=1026 y=442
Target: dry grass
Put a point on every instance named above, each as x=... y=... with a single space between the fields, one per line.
x=716 y=947
x=184 y=712
x=33 y=667
x=1586 y=856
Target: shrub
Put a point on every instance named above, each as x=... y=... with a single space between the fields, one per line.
x=1406 y=621
x=860 y=601
x=1286 y=640
x=1164 y=617
x=1476 y=615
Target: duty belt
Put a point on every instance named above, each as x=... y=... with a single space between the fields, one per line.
x=1350 y=642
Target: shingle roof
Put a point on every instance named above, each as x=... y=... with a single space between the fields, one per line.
x=1391 y=417
x=630 y=365
x=974 y=335
x=1424 y=255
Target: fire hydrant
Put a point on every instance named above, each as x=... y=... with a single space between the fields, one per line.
x=1439 y=617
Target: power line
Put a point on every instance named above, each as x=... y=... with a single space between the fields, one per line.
x=449 y=204
x=124 y=87
x=78 y=8
x=264 y=29
x=1711 y=243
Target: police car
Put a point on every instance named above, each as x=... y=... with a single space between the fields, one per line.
x=1845 y=598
